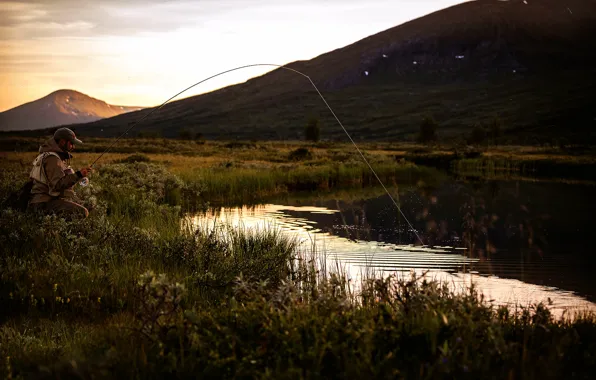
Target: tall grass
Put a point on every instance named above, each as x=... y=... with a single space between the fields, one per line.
x=240 y=185
x=50 y=264
x=539 y=167
x=302 y=328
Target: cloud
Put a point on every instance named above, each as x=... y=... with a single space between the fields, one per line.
x=30 y=15
x=32 y=19
x=27 y=19
x=68 y=26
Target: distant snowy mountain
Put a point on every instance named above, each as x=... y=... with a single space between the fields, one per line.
x=61 y=107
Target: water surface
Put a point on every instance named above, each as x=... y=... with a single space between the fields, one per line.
x=519 y=242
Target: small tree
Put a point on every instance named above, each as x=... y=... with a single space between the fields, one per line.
x=495 y=130
x=428 y=130
x=185 y=134
x=478 y=135
x=312 y=132
x=150 y=134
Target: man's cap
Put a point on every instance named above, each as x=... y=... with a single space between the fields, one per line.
x=66 y=134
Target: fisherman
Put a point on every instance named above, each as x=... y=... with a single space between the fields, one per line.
x=53 y=178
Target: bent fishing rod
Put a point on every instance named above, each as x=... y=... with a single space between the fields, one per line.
x=318 y=92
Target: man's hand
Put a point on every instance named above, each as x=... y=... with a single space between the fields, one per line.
x=86 y=171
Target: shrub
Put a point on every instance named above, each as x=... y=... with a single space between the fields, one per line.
x=185 y=134
x=312 y=131
x=495 y=130
x=428 y=130
x=134 y=158
x=477 y=136
x=300 y=154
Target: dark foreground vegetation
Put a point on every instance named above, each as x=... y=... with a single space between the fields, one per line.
x=134 y=291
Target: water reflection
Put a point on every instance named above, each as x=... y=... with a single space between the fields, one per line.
x=360 y=235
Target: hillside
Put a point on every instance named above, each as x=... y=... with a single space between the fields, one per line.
x=61 y=107
x=531 y=63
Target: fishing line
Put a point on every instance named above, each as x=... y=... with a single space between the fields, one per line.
x=320 y=95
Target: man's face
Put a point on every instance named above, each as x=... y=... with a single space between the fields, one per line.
x=66 y=145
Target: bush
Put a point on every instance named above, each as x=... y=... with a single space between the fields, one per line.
x=300 y=154
x=134 y=158
x=428 y=130
x=495 y=130
x=240 y=145
x=312 y=131
x=185 y=134
x=477 y=136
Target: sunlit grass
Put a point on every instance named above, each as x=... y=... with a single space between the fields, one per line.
x=244 y=175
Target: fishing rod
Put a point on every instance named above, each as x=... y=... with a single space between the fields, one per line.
x=318 y=92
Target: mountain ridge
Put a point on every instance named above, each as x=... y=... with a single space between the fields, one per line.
x=60 y=107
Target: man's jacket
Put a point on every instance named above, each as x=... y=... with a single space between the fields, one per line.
x=50 y=174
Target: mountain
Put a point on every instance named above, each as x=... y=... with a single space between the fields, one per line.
x=62 y=107
x=529 y=63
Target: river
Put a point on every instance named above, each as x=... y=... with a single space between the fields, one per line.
x=519 y=242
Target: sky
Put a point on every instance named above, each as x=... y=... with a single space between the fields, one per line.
x=142 y=52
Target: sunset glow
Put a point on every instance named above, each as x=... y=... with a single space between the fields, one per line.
x=142 y=52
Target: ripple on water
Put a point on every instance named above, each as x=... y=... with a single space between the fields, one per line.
x=443 y=263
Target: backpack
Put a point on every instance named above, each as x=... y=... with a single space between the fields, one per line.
x=19 y=200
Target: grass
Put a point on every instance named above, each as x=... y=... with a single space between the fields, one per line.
x=280 y=151
x=250 y=184
x=538 y=167
x=306 y=327
x=229 y=174
x=238 y=172
x=133 y=291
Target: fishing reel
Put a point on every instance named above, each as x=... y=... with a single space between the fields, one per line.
x=83 y=182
